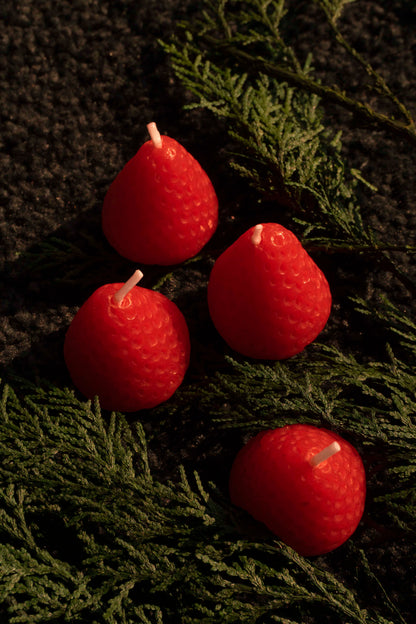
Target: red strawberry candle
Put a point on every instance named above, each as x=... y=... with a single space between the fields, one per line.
x=127 y=345
x=306 y=484
x=161 y=208
x=266 y=296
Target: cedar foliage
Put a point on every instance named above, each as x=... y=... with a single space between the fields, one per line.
x=127 y=547
x=91 y=533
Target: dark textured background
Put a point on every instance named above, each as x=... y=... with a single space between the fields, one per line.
x=79 y=82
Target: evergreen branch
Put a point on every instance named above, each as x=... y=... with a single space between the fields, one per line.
x=286 y=152
x=371 y=403
x=255 y=64
x=69 y=263
x=146 y=551
x=394 y=321
x=282 y=136
x=333 y=8
x=380 y=84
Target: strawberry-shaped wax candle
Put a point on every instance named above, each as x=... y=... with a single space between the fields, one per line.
x=266 y=296
x=306 y=484
x=161 y=208
x=127 y=345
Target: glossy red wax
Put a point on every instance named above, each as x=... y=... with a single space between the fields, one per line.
x=268 y=300
x=132 y=355
x=312 y=509
x=162 y=207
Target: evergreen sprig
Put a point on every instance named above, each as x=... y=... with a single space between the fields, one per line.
x=285 y=150
x=129 y=548
x=279 y=141
x=371 y=403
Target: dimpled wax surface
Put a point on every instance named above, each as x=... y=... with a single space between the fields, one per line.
x=161 y=208
x=268 y=299
x=132 y=355
x=312 y=509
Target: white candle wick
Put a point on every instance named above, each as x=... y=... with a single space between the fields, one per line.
x=126 y=288
x=325 y=454
x=256 y=236
x=154 y=134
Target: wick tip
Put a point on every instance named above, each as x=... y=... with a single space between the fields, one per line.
x=256 y=236
x=325 y=454
x=137 y=275
x=126 y=288
x=154 y=134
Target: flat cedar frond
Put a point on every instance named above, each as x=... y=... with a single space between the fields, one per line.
x=394 y=321
x=88 y=534
x=285 y=149
x=236 y=63
x=71 y=263
x=372 y=403
x=334 y=8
